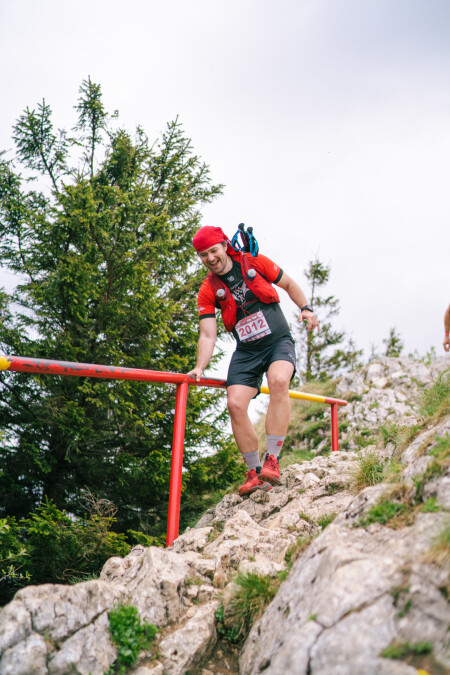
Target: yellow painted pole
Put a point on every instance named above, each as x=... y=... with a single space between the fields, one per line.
x=304 y=396
x=4 y=362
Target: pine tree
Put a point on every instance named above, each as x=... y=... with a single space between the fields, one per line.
x=102 y=244
x=393 y=343
x=323 y=354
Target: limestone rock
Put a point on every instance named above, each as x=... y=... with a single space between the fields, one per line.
x=28 y=657
x=89 y=650
x=388 y=390
x=190 y=642
x=336 y=612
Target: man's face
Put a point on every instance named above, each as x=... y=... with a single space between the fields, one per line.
x=216 y=259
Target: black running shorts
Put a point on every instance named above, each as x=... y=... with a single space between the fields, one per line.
x=247 y=367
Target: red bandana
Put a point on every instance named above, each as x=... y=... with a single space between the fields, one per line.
x=208 y=236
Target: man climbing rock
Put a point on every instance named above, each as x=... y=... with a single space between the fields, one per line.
x=241 y=286
x=446 y=343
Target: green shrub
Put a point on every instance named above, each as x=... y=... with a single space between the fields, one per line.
x=135 y=537
x=14 y=559
x=50 y=546
x=61 y=547
x=130 y=635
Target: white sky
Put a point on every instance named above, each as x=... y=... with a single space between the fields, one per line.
x=327 y=120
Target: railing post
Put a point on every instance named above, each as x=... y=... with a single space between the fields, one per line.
x=173 y=515
x=334 y=427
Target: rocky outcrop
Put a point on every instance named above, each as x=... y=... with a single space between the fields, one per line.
x=387 y=390
x=353 y=592
x=337 y=610
x=64 y=629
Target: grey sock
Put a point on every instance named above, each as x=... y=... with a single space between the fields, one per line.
x=274 y=445
x=252 y=459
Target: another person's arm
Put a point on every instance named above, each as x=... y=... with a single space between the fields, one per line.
x=205 y=346
x=446 y=342
x=299 y=298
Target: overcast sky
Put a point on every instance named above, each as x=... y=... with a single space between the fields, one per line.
x=328 y=121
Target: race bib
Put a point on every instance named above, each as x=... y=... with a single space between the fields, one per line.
x=252 y=327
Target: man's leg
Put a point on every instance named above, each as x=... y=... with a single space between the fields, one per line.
x=239 y=397
x=279 y=410
x=277 y=417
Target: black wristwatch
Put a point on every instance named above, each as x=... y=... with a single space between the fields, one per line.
x=307 y=308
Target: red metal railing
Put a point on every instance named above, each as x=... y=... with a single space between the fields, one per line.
x=47 y=367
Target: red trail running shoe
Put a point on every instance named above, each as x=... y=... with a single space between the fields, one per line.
x=271 y=470
x=253 y=483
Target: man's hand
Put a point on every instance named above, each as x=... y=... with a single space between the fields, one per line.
x=196 y=372
x=446 y=343
x=313 y=321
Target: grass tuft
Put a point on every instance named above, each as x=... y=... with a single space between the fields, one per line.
x=297 y=549
x=247 y=603
x=435 y=401
x=368 y=471
x=431 y=506
x=383 y=512
x=439 y=553
x=399 y=650
x=400 y=436
x=323 y=521
x=437 y=467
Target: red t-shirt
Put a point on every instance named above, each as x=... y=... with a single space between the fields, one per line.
x=268 y=327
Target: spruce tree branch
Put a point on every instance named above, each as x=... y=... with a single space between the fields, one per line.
x=22 y=256
x=21 y=402
x=91 y=162
x=41 y=152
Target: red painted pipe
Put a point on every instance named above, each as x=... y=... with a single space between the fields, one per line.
x=173 y=515
x=22 y=364
x=334 y=427
x=338 y=401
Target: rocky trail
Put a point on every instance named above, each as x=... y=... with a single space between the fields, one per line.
x=354 y=588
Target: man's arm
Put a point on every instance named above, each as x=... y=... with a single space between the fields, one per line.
x=205 y=346
x=299 y=298
x=446 y=342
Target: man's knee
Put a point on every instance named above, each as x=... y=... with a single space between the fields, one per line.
x=279 y=384
x=237 y=405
